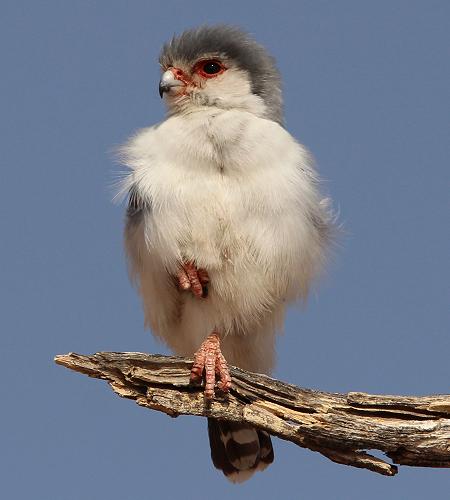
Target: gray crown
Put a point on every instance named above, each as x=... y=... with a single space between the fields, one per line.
x=238 y=46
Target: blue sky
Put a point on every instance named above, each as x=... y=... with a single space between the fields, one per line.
x=366 y=90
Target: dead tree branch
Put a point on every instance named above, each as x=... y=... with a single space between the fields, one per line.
x=411 y=431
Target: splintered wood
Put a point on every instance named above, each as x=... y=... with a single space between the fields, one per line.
x=412 y=431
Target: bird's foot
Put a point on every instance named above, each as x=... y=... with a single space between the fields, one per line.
x=210 y=358
x=193 y=279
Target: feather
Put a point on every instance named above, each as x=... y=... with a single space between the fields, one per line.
x=222 y=184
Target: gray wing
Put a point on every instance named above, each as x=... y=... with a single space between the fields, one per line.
x=160 y=296
x=137 y=206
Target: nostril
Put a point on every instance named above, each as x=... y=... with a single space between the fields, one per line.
x=178 y=72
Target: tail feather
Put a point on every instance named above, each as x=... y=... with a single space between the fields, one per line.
x=239 y=450
x=266 y=450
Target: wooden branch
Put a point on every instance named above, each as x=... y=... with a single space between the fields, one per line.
x=411 y=431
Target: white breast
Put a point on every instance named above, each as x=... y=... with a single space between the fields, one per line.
x=236 y=194
x=217 y=182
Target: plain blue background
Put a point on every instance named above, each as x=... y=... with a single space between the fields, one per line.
x=366 y=90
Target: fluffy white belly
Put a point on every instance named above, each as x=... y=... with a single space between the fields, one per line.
x=229 y=196
x=236 y=195
x=211 y=223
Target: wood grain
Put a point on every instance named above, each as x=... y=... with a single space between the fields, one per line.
x=412 y=431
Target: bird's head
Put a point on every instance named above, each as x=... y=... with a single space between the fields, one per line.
x=220 y=66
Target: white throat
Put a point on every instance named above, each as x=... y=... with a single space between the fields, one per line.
x=230 y=92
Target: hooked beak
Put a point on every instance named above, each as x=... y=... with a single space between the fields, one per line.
x=168 y=81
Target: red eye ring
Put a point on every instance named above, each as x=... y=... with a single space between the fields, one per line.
x=209 y=68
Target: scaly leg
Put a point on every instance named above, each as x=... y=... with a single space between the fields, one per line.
x=210 y=358
x=191 y=278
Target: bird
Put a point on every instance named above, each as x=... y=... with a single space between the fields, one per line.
x=225 y=223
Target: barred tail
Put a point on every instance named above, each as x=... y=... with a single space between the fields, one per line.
x=239 y=450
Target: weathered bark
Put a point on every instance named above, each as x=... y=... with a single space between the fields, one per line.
x=411 y=431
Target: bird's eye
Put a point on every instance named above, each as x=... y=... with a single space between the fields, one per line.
x=209 y=69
